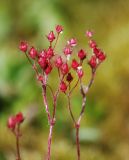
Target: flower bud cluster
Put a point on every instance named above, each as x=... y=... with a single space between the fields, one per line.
x=15 y=120
x=98 y=55
x=48 y=59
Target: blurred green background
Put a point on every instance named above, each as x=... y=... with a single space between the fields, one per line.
x=105 y=126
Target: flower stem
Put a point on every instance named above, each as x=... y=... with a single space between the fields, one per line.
x=78 y=141
x=17 y=143
x=49 y=142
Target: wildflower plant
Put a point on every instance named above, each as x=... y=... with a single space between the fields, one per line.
x=70 y=75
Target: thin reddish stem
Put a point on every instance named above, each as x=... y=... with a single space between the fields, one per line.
x=74 y=86
x=46 y=103
x=70 y=111
x=56 y=41
x=17 y=143
x=33 y=65
x=49 y=142
x=78 y=142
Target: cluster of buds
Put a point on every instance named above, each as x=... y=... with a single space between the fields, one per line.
x=15 y=120
x=44 y=61
x=98 y=55
x=48 y=59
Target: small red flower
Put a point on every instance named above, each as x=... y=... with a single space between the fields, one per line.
x=72 y=42
x=101 y=56
x=75 y=64
x=12 y=122
x=89 y=34
x=50 y=53
x=64 y=68
x=51 y=36
x=43 y=62
x=19 y=117
x=43 y=54
x=92 y=44
x=96 y=51
x=69 y=77
x=80 y=72
x=67 y=50
x=58 y=62
x=48 y=69
x=92 y=62
x=33 y=53
x=63 y=86
x=82 y=54
x=59 y=29
x=23 y=46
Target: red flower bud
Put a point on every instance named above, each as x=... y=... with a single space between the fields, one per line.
x=63 y=86
x=50 y=52
x=43 y=62
x=80 y=73
x=23 y=46
x=11 y=122
x=72 y=42
x=19 y=117
x=64 y=68
x=92 y=44
x=96 y=51
x=89 y=34
x=33 y=53
x=43 y=54
x=69 y=77
x=67 y=50
x=75 y=64
x=82 y=54
x=51 y=36
x=59 y=29
x=58 y=62
x=101 y=56
x=48 y=69
x=92 y=62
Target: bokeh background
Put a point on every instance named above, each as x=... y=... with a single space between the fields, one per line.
x=105 y=126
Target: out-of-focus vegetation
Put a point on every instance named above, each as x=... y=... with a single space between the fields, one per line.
x=105 y=126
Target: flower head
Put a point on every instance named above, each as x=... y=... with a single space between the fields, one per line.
x=58 y=62
x=51 y=36
x=23 y=46
x=64 y=68
x=67 y=50
x=80 y=72
x=89 y=34
x=11 y=122
x=59 y=29
x=63 y=86
x=93 y=62
x=92 y=44
x=50 y=52
x=75 y=64
x=82 y=54
x=19 y=117
x=33 y=53
x=69 y=77
x=72 y=42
